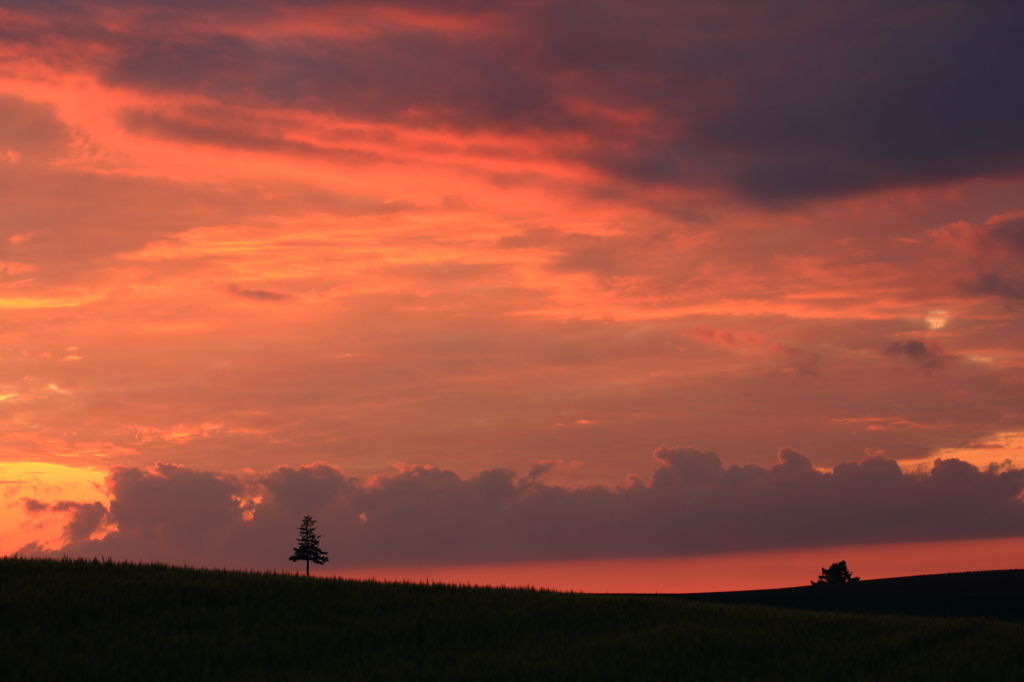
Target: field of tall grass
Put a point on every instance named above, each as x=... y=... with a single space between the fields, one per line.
x=91 y=620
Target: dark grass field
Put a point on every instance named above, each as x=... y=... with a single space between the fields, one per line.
x=78 y=620
x=982 y=594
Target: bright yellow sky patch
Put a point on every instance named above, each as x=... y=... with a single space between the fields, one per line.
x=47 y=483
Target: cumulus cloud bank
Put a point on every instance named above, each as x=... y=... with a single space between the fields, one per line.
x=426 y=515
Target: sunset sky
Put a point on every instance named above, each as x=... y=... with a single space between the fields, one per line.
x=540 y=284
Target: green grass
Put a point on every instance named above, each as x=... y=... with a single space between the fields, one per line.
x=79 y=620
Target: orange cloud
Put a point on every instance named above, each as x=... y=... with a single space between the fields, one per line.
x=361 y=235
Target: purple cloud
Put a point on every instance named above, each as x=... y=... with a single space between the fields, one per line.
x=422 y=515
x=926 y=355
x=258 y=294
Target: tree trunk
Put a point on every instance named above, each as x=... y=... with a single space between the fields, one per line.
x=307 y=568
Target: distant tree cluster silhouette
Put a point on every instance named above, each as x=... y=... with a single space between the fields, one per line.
x=309 y=545
x=836 y=573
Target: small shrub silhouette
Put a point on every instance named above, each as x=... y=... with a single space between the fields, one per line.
x=836 y=573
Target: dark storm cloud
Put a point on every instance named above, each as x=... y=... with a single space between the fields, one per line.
x=385 y=76
x=828 y=100
x=1008 y=234
x=86 y=518
x=693 y=505
x=926 y=355
x=996 y=284
x=35 y=506
x=780 y=102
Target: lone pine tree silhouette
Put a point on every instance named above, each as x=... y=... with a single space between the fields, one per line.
x=836 y=573
x=309 y=545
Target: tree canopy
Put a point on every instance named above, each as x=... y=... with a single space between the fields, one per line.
x=309 y=545
x=836 y=573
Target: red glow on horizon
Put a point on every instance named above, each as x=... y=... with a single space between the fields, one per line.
x=719 y=573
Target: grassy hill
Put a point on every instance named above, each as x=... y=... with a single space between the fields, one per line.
x=78 y=620
x=986 y=594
